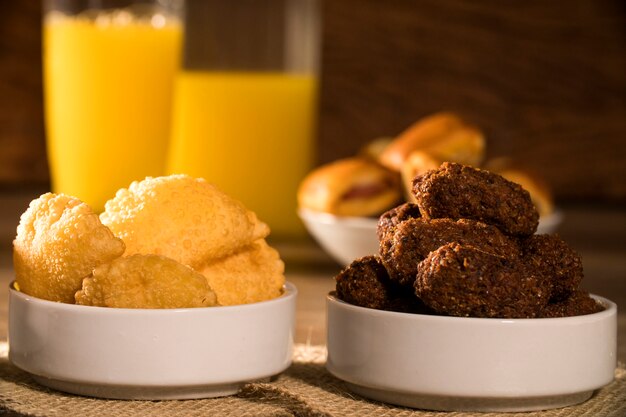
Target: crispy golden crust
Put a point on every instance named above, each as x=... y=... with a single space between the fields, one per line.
x=461 y=192
x=145 y=281
x=255 y=273
x=59 y=241
x=415 y=238
x=184 y=218
x=469 y=282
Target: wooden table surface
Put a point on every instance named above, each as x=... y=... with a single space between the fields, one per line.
x=597 y=232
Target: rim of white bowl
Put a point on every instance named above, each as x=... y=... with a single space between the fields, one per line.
x=610 y=308
x=289 y=291
x=553 y=219
x=327 y=218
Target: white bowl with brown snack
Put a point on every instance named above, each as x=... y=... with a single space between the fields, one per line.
x=471 y=364
x=152 y=354
x=466 y=308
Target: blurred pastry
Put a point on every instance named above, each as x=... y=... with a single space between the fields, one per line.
x=444 y=135
x=350 y=187
x=373 y=149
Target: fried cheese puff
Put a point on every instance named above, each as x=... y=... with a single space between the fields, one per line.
x=59 y=241
x=256 y=273
x=184 y=218
x=145 y=281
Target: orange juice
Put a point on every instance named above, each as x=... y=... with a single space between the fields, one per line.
x=249 y=133
x=108 y=86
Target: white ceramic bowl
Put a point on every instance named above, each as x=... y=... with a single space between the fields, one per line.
x=343 y=238
x=150 y=354
x=349 y=238
x=471 y=364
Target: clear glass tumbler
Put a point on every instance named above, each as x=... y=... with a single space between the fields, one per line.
x=109 y=69
x=245 y=102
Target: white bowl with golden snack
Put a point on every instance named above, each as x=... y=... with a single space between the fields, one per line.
x=172 y=292
x=150 y=354
x=471 y=364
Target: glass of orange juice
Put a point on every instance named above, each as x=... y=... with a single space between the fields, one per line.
x=108 y=78
x=245 y=102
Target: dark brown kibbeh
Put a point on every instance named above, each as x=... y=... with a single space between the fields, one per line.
x=456 y=191
x=414 y=239
x=552 y=257
x=388 y=221
x=470 y=282
x=365 y=283
x=578 y=303
x=465 y=267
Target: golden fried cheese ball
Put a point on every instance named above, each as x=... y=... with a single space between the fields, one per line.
x=145 y=281
x=59 y=241
x=253 y=274
x=184 y=218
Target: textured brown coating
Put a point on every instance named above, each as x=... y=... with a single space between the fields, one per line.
x=556 y=260
x=461 y=192
x=414 y=239
x=391 y=218
x=577 y=304
x=364 y=283
x=466 y=281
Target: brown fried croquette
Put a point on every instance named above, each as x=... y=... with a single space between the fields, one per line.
x=391 y=218
x=578 y=303
x=414 y=239
x=465 y=281
x=552 y=257
x=461 y=192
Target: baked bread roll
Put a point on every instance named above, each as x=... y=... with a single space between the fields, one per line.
x=373 y=149
x=350 y=187
x=444 y=135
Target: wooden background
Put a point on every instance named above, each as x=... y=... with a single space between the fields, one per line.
x=545 y=79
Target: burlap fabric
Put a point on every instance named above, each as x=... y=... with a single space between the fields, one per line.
x=305 y=389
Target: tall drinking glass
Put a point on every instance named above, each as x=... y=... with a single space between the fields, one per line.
x=109 y=68
x=245 y=102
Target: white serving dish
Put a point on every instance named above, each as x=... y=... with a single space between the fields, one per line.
x=343 y=238
x=148 y=353
x=348 y=238
x=550 y=223
x=471 y=364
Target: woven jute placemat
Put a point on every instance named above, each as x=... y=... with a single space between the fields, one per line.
x=305 y=389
